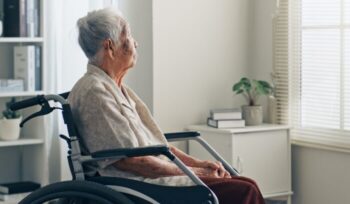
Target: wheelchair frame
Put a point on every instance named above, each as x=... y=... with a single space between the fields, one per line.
x=76 y=159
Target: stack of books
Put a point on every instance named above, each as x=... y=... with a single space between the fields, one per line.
x=226 y=118
x=16 y=191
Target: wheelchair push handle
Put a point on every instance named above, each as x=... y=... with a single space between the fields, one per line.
x=38 y=100
x=43 y=101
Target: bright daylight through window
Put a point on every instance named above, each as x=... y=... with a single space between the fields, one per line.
x=325 y=65
x=321 y=68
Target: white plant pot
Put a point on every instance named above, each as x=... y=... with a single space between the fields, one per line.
x=9 y=129
x=253 y=115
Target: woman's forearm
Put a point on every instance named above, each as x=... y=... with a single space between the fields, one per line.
x=201 y=167
x=185 y=158
x=148 y=166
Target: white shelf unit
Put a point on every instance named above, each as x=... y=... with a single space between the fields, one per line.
x=25 y=159
x=20 y=142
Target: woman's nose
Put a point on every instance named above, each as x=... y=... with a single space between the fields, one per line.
x=136 y=44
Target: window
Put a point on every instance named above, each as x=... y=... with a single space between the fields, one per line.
x=320 y=69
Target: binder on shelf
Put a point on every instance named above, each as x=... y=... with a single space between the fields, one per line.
x=38 y=73
x=33 y=18
x=22 y=18
x=11 y=18
x=24 y=65
x=30 y=18
x=37 y=18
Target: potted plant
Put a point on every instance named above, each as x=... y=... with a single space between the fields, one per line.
x=9 y=124
x=252 y=90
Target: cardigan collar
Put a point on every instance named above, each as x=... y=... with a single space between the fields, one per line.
x=118 y=91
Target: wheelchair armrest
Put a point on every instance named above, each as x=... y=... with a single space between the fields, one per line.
x=181 y=135
x=134 y=152
x=196 y=136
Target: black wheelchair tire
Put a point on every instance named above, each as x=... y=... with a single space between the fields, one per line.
x=81 y=189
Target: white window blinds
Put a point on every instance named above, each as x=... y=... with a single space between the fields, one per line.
x=320 y=69
x=280 y=65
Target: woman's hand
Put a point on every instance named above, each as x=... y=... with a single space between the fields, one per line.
x=222 y=171
x=215 y=166
x=205 y=172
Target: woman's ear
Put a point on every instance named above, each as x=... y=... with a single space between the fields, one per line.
x=109 y=48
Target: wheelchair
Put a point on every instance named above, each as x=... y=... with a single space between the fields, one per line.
x=108 y=190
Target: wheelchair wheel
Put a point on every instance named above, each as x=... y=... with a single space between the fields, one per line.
x=75 y=192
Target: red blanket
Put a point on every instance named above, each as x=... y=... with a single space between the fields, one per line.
x=235 y=190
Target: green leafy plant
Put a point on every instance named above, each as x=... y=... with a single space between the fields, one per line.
x=8 y=113
x=252 y=89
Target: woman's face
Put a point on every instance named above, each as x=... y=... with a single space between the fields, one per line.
x=128 y=48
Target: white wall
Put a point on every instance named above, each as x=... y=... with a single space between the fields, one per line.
x=260 y=43
x=320 y=176
x=140 y=78
x=200 y=50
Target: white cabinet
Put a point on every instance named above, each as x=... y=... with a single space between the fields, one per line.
x=26 y=158
x=259 y=152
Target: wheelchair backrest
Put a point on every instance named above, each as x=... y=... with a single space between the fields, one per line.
x=71 y=124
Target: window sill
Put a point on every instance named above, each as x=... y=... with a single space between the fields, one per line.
x=329 y=144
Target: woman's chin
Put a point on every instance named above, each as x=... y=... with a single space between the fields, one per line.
x=133 y=63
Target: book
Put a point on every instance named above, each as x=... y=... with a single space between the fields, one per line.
x=36 y=18
x=16 y=197
x=18 y=187
x=225 y=123
x=226 y=114
x=15 y=18
x=24 y=65
x=38 y=68
x=11 y=18
x=22 y=18
x=33 y=18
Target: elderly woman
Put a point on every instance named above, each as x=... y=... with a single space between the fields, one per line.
x=110 y=115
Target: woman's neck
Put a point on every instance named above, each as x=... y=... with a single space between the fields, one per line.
x=117 y=74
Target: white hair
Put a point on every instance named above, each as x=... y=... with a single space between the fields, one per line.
x=96 y=27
